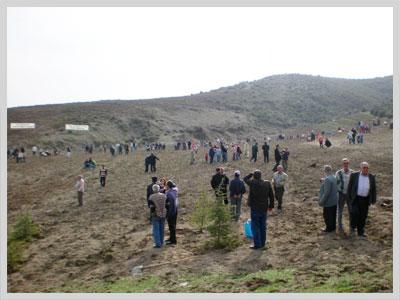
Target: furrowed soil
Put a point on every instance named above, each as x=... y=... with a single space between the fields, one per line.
x=94 y=248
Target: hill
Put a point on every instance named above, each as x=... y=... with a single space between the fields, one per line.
x=268 y=105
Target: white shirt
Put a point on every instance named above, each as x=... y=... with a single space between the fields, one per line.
x=80 y=185
x=363 y=185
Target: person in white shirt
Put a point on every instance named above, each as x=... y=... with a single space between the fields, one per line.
x=80 y=187
x=278 y=182
x=342 y=178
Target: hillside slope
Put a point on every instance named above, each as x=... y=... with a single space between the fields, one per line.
x=268 y=105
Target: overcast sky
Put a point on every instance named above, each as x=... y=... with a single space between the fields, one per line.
x=57 y=55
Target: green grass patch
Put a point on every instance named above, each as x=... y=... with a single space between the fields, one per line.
x=24 y=231
x=123 y=285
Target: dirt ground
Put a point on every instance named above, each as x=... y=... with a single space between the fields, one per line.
x=110 y=234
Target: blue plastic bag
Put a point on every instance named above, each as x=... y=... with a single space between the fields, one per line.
x=247 y=229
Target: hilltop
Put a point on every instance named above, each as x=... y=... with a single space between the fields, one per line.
x=269 y=105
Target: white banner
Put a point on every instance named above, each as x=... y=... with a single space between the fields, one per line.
x=76 y=127
x=22 y=125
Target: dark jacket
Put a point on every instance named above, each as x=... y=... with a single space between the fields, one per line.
x=149 y=192
x=254 y=149
x=211 y=152
x=353 y=186
x=265 y=148
x=261 y=196
x=277 y=155
x=172 y=208
x=152 y=159
x=220 y=180
x=237 y=187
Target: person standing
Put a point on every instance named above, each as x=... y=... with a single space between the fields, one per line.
x=246 y=148
x=172 y=211
x=265 y=149
x=278 y=158
x=80 y=188
x=342 y=179
x=211 y=153
x=285 y=159
x=279 y=179
x=353 y=136
x=328 y=199
x=219 y=183
x=236 y=191
x=34 y=150
x=103 y=175
x=321 y=141
x=153 y=161
x=192 y=157
x=157 y=203
x=224 y=152
x=69 y=152
x=362 y=193
x=261 y=198
x=254 y=151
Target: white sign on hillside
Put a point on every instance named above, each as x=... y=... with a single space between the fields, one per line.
x=22 y=125
x=76 y=127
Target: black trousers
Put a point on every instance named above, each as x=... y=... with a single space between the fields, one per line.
x=103 y=181
x=279 y=191
x=146 y=168
x=330 y=218
x=172 y=228
x=266 y=157
x=359 y=214
x=153 y=167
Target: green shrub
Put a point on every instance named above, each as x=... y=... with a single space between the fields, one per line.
x=200 y=217
x=25 y=229
x=15 y=251
x=222 y=228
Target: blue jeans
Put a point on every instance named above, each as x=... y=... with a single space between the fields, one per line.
x=236 y=205
x=259 y=228
x=158 y=230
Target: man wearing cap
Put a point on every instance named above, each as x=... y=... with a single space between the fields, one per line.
x=219 y=182
x=261 y=198
x=362 y=193
x=342 y=178
x=236 y=191
x=278 y=182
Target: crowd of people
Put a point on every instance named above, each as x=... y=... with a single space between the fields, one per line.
x=357 y=190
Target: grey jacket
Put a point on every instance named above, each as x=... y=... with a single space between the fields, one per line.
x=328 y=193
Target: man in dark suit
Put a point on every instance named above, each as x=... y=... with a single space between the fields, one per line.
x=362 y=193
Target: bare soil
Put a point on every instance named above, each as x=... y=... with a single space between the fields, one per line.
x=110 y=234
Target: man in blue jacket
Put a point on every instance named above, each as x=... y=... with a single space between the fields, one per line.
x=236 y=191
